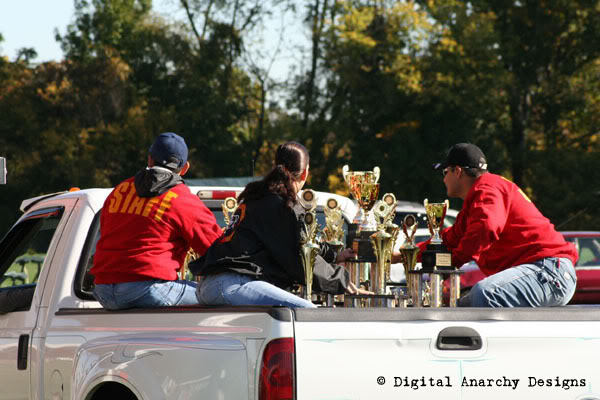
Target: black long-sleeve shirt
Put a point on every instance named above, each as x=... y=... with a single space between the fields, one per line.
x=263 y=240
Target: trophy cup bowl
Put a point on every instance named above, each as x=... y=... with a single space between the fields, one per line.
x=366 y=196
x=436 y=212
x=365 y=189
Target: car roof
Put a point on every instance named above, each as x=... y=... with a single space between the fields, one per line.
x=581 y=233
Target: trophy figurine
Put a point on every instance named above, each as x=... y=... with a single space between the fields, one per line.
x=409 y=252
x=229 y=206
x=334 y=225
x=437 y=255
x=365 y=189
x=308 y=233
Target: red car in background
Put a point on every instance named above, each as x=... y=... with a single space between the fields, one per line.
x=587 y=268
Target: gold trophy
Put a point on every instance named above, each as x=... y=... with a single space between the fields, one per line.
x=365 y=189
x=409 y=252
x=308 y=233
x=436 y=212
x=334 y=224
x=383 y=243
x=436 y=255
x=229 y=207
x=436 y=260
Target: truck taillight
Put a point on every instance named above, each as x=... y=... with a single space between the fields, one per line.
x=277 y=373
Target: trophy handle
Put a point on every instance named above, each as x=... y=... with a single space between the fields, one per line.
x=376 y=173
x=425 y=202
x=345 y=172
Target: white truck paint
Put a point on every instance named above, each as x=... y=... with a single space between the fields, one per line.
x=63 y=345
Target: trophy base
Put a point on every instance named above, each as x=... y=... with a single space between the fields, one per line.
x=359 y=272
x=369 y=300
x=351 y=235
x=435 y=257
x=401 y=293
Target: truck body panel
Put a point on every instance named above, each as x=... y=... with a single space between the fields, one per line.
x=63 y=345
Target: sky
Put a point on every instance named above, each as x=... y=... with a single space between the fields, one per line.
x=32 y=23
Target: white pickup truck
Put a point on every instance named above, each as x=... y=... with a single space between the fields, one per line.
x=56 y=342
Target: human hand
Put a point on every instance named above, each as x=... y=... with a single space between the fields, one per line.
x=345 y=255
x=397 y=257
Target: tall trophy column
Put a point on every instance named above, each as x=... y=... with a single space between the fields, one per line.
x=409 y=252
x=334 y=232
x=383 y=242
x=308 y=233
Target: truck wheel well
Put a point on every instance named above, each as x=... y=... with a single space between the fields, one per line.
x=111 y=391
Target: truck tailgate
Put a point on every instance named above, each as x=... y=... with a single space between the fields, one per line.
x=465 y=354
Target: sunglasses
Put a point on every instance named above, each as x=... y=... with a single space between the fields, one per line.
x=445 y=171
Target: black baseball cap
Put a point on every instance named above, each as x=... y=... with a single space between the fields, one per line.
x=169 y=150
x=464 y=155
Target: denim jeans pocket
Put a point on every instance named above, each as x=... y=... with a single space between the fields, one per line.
x=210 y=290
x=163 y=293
x=560 y=279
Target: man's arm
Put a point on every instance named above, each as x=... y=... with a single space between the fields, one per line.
x=486 y=220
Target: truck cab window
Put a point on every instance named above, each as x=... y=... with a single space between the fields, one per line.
x=22 y=254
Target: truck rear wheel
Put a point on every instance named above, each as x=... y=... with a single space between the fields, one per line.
x=112 y=391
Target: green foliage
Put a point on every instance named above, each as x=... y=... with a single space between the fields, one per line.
x=385 y=83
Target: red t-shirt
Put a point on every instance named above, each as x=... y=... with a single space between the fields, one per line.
x=499 y=227
x=148 y=238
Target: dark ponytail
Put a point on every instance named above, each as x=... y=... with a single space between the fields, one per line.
x=291 y=159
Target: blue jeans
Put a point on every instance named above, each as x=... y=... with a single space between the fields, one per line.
x=230 y=288
x=544 y=283
x=146 y=294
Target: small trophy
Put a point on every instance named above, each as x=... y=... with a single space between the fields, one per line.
x=229 y=206
x=334 y=225
x=436 y=259
x=436 y=212
x=365 y=189
x=409 y=253
x=437 y=255
x=308 y=233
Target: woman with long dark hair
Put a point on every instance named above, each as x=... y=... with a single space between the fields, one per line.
x=258 y=256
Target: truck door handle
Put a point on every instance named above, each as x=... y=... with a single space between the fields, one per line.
x=458 y=338
x=22 y=352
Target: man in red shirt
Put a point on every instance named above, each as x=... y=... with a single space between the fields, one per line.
x=528 y=263
x=147 y=225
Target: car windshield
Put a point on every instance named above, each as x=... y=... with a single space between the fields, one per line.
x=588 y=249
